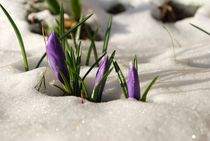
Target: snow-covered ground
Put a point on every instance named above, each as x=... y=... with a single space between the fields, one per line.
x=178 y=107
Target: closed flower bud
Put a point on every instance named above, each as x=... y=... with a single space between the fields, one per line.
x=56 y=57
x=103 y=68
x=133 y=83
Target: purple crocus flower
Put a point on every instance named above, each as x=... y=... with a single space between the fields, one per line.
x=133 y=83
x=103 y=68
x=56 y=57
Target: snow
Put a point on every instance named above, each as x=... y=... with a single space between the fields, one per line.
x=178 y=105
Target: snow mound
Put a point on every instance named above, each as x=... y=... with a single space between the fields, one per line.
x=178 y=105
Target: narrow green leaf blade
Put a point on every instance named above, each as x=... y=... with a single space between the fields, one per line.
x=41 y=59
x=67 y=86
x=84 y=88
x=122 y=80
x=144 y=97
x=92 y=46
x=75 y=27
x=62 y=28
x=64 y=91
x=201 y=29
x=112 y=58
x=78 y=33
x=107 y=35
x=19 y=37
x=99 y=59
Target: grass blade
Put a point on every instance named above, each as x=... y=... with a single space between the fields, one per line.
x=41 y=59
x=112 y=58
x=122 y=80
x=200 y=29
x=99 y=59
x=78 y=64
x=107 y=35
x=144 y=97
x=78 y=33
x=64 y=91
x=62 y=28
x=92 y=46
x=75 y=27
x=88 y=55
x=19 y=37
x=67 y=86
x=84 y=88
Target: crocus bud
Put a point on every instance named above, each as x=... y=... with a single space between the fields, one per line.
x=56 y=57
x=103 y=68
x=133 y=83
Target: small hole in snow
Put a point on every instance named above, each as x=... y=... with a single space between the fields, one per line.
x=116 y=9
x=172 y=11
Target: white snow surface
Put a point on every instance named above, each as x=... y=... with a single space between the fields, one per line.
x=178 y=107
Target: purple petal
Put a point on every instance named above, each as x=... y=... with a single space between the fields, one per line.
x=133 y=83
x=103 y=68
x=56 y=57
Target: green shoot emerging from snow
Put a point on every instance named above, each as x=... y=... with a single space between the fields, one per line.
x=131 y=88
x=107 y=35
x=19 y=37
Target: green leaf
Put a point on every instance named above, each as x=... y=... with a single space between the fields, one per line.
x=53 y=6
x=200 y=29
x=92 y=46
x=41 y=59
x=72 y=61
x=88 y=55
x=75 y=27
x=122 y=80
x=84 y=88
x=79 y=50
x=67 y=86
x=112 y=58
x=99 y=59
x=97 y=88
x=78 y=33
x=144 y=97
x=107 y=35
x=19 y=37
x=78 y=64
x=62 y=28
x=73 y=56
x=75 y=7
x=64 y=91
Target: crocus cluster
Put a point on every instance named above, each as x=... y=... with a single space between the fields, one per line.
x=67 y=66
x=57 y=61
